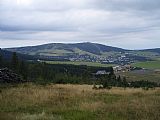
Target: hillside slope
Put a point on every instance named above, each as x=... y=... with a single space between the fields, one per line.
x=7 y=55
x=58 y=48
x=90 y=52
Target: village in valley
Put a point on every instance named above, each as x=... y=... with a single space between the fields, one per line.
x=116 y=58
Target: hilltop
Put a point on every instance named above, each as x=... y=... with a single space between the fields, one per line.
x=91 y=52
x=92 y=48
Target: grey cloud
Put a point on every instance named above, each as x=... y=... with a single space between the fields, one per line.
x=144 y=5
x=80 y=20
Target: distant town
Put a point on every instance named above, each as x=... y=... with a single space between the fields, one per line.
x=118 y=58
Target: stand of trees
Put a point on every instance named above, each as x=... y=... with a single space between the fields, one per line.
x=111 y=80
x=40 y=72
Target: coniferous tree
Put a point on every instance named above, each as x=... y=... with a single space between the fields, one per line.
x=1 y=61
x=23 y=70
x=119 y=81
x=112 y=77
x=105 y=83
x=125 y=84
x=14 y=62
x=111 y=71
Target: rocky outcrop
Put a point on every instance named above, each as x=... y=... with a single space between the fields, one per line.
x=8 y=76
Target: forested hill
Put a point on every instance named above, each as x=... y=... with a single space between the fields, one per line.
x=96 y=48
x=156 y=50
x=77 y=48
x=57 y=48
x=7 y=55
x=91 y=52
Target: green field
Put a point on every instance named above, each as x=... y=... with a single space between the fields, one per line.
x=80 y=63
x=137 y=76
x=148 y=64
x=77 y=102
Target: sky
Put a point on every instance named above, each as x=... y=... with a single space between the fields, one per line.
x=130 y=24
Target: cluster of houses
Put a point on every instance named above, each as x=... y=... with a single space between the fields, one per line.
x=123 y=68
x=104 y=60
x=157 y=71
x=119 y=58
x=122 y=59
x=102 y=72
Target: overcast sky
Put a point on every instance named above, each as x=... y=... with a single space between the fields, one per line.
x=131 y=24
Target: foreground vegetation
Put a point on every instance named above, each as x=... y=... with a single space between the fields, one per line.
x=77 y=102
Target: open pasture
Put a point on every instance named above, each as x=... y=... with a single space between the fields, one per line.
x=77 y=102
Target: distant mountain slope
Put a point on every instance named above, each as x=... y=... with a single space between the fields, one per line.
x=90 y=52
x=8 y=55
x=156 y=50
x=52 y=48
x=96 y=48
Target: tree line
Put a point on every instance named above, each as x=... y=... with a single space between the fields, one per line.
x=41 y=72
x=111 y=80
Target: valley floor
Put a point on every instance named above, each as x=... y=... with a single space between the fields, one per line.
x=77 y=102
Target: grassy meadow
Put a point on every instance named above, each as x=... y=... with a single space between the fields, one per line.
x=141 y=76
x=80 y=63
x=77 y=102
x=148 y=64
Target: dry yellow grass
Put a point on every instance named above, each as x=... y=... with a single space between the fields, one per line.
x=78 y=102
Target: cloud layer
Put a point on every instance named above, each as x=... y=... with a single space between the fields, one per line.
x=133 y=24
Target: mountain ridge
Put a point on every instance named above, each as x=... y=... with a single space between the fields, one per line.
x=144 y=49
x=87 y=51
x=86 y=46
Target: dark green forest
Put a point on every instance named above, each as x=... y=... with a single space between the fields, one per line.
x=41 y=72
